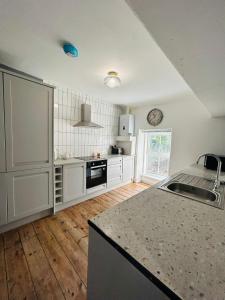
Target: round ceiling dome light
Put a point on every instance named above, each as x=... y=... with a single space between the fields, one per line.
x=70 y=50
x=112 y=80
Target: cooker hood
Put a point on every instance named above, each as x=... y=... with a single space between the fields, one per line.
x=86 y=118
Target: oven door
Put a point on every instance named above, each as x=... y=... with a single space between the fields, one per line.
x=96 y=175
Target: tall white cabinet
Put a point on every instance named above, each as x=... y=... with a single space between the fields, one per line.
x=28 y=123
x=26 y=146
x=3 y=199
x=2 y=128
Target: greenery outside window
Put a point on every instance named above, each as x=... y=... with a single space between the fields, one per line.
x=157 y=148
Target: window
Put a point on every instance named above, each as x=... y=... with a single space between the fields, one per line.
x=157 y=146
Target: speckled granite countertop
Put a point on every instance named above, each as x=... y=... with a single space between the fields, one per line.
x=180 y=241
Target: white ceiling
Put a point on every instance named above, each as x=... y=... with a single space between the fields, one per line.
x=192 y=35
x=109 y=37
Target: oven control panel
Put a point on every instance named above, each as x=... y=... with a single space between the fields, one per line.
x=96 y=163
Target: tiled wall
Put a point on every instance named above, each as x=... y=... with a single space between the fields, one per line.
x=83 y=141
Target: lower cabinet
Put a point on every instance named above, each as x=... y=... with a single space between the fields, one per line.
x=120 y=169
x=74 y=181
x=114 y=172
x=29 y=192
x=3 y=199
x=128 y=168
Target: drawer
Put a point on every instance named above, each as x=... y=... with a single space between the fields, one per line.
x=114 y=182
x=114 y=161
x=128 y=157
x=114 y=171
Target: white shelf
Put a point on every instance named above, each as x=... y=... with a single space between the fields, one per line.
x=129 y=138
x=58 y=185
x=58 y=195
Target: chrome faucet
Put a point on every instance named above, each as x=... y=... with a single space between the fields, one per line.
x=219 y=164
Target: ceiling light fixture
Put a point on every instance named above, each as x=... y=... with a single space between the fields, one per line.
x=112 y=79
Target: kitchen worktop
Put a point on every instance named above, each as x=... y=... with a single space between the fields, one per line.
x=117 y=155
x=179 y=241
x=69 y=161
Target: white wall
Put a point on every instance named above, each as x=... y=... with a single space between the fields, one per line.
x=76 y=141
x=193 y=131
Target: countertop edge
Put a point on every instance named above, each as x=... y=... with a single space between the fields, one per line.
x=164 y=288
x=68 y=162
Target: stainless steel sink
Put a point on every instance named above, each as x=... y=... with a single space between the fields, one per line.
x=195 y=188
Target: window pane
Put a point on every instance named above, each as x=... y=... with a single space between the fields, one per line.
x=157 y=153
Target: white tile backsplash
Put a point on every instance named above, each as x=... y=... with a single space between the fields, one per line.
x=77 y=141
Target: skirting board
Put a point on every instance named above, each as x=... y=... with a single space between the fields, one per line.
x=149 y=180
x=26 y=220
x=88 y=196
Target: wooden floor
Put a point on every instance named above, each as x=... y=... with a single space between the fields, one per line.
x=47 y=259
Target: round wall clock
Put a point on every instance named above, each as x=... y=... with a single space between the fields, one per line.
x=155 y=117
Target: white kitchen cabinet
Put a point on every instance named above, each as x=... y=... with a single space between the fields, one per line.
x=114 y=171
x=114 y=161
x=28 y=123
x=28 y=192
x=2 y=128
x=3 y=199
x=128 y=168
x=74 y=181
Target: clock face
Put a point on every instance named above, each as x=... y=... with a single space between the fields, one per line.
x=155 y=117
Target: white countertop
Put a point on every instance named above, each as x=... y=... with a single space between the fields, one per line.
x=68 y=161
x=178 y=240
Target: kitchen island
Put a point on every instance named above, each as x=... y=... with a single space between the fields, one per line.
x=158 y=245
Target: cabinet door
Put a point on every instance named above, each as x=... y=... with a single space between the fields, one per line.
x=3 y=199
x=2 y=128
x=74 y=181
x=29 y=192
x=128 y=169
x=28 y=123
x=114 y=175
x=114 y=171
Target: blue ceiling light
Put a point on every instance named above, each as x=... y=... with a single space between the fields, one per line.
x=70 y=50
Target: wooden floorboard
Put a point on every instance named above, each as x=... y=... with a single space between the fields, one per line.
x=47 y=259
x=20 y=284
x=3 y=279
x=45 y=282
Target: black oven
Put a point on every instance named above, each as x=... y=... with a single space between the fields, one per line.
x=96 y=173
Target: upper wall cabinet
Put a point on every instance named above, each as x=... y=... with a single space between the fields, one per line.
x=2 y=129
x=28 y=123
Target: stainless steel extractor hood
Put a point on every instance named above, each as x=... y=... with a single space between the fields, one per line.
x=86 y=118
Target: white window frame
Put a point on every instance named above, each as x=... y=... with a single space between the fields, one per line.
x=144 y=151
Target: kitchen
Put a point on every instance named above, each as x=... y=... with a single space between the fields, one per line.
x=112 y=158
